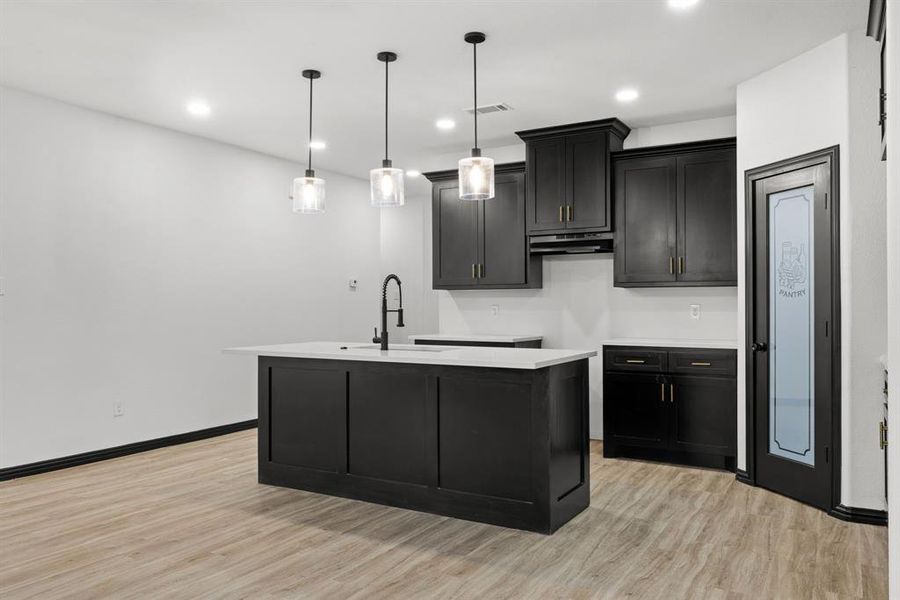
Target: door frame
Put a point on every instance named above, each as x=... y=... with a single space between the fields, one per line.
x=830 y=156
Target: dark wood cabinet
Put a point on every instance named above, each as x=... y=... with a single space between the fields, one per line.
x=639 y=421
x=703 y=418
x=502 y=446
x=547 y=184
x=645 y=213
x=676 y=215
x=673 y=404
x=482 y=244
x=568 y=176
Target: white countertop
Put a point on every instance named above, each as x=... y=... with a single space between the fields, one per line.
x=470 y=337
x=672 y=343
x=462 y=356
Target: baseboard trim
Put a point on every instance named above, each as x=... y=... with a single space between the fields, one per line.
x=84 y=458
x=744 y=477
x=869 y=516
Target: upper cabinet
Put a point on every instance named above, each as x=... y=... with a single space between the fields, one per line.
x=482 y=244
x=676 y=215
x=568 y=167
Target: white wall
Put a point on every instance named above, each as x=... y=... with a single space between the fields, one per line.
x=893 y=287
x=406 y=251
x=132 y=255
x=686 y=131
x=578 y=307
x=803 y=105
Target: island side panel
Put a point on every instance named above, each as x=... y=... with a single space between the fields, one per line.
x=568 y=399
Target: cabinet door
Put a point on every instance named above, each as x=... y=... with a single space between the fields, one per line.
x=704 y=415
x=635 y=410
x=305 y=417
x=645 y=203
x=503 y=246
x=546 y=184
x=586 y=182
x=455 y=227
x=707 y=217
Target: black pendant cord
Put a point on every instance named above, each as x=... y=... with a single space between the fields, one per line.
x=475 y=87
x=309 y=144
x=386 y=63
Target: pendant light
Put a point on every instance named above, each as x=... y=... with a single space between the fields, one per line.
x=386 y=182
x=476 y=172
x=308 y=192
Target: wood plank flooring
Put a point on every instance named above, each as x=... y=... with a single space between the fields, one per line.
x=192 y=522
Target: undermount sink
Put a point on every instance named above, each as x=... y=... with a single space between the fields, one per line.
x=395 y=349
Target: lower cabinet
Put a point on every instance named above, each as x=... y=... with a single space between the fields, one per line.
x=671 y=404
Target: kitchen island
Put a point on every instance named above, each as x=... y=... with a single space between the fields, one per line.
x=497 y=435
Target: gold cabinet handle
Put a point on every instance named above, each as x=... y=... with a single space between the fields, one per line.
x=481 y=271
x=700 y=364
x=672 y=393
x=671 y=265
x=680 y=265
x=569 y=212
x=635 y=361
x=662 y=392
x=882 y=435
x=474 y=273
x=560 y=213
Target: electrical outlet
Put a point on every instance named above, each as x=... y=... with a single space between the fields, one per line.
x=495 y=310
x=695 y=311
x=118 y=409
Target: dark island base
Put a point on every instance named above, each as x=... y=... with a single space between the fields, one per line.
x=502 y=446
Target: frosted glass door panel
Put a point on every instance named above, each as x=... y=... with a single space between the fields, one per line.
x=791 y=329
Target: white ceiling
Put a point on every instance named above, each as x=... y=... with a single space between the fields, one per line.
x=554 y=62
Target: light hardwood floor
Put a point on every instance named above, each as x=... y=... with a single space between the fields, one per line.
x=191 y=522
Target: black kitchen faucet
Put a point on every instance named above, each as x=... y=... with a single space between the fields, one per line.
x=383 y=340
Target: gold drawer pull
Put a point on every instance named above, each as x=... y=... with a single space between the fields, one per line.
x=700 y=364
x=882 y=435
x=634 y=361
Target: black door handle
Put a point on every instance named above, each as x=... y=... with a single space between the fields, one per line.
x=759 y=346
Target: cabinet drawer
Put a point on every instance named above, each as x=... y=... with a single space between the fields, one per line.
x=634 y=359
x=708 y=362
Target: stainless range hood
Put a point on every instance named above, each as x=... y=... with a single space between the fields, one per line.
x=571 y=243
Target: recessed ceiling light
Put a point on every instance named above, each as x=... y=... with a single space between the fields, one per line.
x=627 y=95
x=412 y=173
x=445 y=124
x=682 y=4
x=317 y=145
x=198 y=108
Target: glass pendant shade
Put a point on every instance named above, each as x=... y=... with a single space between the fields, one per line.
x=308 y=194
x=387 y=187
x=476 y=178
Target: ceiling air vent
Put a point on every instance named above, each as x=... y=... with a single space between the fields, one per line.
x=485 y=109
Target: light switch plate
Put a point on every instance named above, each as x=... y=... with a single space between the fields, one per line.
x=695 y=311
x=495 y=310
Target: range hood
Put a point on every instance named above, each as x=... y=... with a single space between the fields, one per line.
x=571 y=243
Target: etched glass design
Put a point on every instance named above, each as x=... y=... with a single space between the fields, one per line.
x=791 y=326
